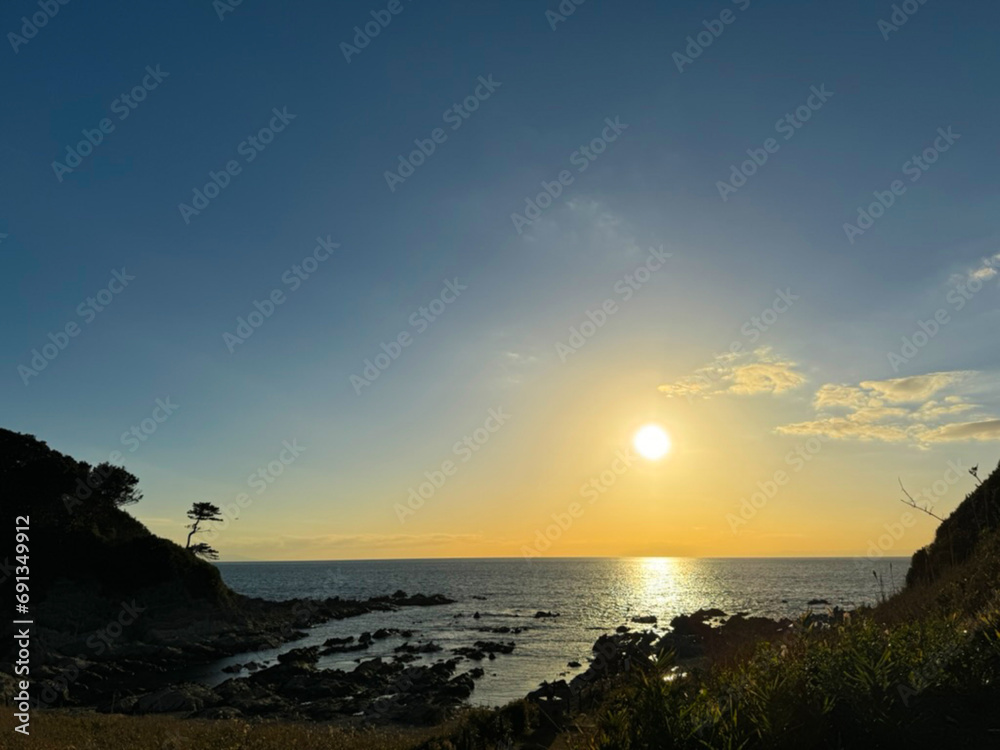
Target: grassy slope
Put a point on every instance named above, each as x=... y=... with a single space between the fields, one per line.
x=475 y=729
x=62 y=730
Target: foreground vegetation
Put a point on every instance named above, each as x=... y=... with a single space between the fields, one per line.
x=919 y=670
x=65 y=730
x=61 y=729
x=864 y=685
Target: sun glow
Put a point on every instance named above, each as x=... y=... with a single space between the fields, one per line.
x=652 y=442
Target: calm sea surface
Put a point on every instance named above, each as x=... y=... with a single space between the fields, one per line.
x=592 y=596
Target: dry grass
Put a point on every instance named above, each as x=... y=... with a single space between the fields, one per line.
x=79 y=730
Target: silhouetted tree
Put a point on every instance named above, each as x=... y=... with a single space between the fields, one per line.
x=202 y=513
x=205 y=551
x=114 y=485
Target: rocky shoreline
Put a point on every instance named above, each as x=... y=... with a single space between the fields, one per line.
x=127 y=672
x=135 y=677
x=693 y=643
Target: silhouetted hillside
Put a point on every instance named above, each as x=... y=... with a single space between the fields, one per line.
x=959 y=535
x=87 y=556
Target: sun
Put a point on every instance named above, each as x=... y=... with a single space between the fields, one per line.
x=652 y=442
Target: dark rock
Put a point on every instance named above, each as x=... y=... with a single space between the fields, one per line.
x=689 y=625
x=345 y=649
x=495 y=648
x=401 y=599
x=426 y=648
x=644 y=619
x=371 y=667
x=708 y=614
x=338 y=641
x=555 y=698
x=504 y=629
x=460 y=687
x=540 y=614
x=309 y=655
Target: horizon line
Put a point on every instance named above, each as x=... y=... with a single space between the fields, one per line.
x=577 y=557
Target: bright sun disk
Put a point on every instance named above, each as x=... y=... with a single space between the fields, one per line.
x=652 y=442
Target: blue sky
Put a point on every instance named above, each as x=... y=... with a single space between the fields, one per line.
x=656 y=185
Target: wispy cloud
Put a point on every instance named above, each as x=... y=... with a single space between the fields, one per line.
x=918 y=410
x=152 y=521
x=914 y=388
x=339 y=541
x=743 y=374
x=985 y=270
x=986 y=430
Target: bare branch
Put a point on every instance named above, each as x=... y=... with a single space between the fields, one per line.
x=913 y=503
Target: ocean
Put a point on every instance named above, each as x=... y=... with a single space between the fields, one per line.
x=591 y=597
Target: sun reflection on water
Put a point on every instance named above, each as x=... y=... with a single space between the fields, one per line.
x=659 y=580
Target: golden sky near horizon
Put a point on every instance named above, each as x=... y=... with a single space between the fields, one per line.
x=761 y=464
